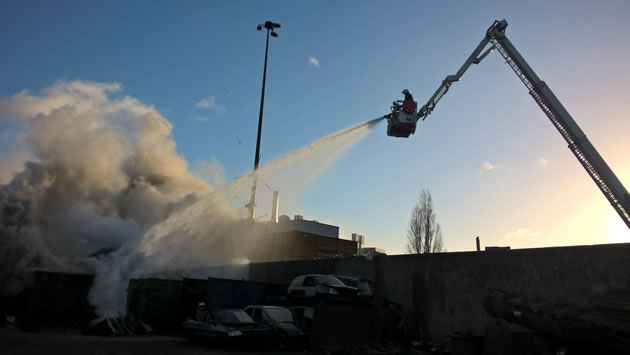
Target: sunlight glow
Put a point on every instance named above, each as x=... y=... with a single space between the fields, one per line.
x=615 y=230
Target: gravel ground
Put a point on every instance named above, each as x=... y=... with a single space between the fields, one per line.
x=15 y=342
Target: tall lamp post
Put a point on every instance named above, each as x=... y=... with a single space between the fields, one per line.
x=270 y=27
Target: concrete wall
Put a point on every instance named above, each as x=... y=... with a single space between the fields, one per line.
x=444 y=291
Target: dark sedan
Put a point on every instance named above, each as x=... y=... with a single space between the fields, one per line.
x=225 y=327
x=285 y=333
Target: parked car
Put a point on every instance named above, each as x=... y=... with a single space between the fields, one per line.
x=363 y=285
x=229 y=327
x=315 y=288
x=279 y=320
x=303 y=317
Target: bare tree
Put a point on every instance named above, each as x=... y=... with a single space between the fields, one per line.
x=424 y=234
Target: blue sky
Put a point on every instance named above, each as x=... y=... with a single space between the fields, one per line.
x=494 y=164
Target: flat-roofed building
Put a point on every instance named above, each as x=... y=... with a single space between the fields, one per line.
x=300 y=239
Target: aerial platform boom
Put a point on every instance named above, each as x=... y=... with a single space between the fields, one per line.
x=578 y=143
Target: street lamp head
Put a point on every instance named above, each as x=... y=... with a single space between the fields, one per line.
x=271 y=25
x=273 y=34
x=259 y=27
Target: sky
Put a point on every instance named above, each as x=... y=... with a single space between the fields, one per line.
x=495 y=166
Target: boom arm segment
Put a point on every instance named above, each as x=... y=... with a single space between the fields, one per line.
x=579 y=144
x=581 y=147
x=475 y=58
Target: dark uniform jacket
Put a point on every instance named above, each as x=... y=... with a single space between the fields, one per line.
x=409 y=105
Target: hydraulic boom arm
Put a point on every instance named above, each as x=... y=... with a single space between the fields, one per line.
x=581 y=147
x=475 y=58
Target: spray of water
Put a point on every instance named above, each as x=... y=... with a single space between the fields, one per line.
x=100 y=172
x=294 y=171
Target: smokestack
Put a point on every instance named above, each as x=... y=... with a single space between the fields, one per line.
x=274 y=207
x=478 y=244
x=356 y=237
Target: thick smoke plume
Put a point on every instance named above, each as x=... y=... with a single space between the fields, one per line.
x=100 y=188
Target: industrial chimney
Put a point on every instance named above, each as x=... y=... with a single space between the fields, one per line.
x=274 y=207
x=356 y=237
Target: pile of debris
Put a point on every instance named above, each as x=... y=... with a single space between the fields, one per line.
x=119 y=326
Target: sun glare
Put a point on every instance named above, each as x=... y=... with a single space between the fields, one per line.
x=616 y=231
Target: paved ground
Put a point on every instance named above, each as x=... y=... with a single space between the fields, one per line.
x=15 y=342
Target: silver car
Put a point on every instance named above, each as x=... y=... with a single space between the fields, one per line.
x=315 y=287
x=363 y=285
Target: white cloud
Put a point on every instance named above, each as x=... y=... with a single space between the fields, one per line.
x=200 y=118
x=487 y=166
x=210 y=103
x=522 y=233
x=542 y=162
x=314 y=61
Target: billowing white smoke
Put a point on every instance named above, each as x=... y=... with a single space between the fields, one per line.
x=100 y=173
